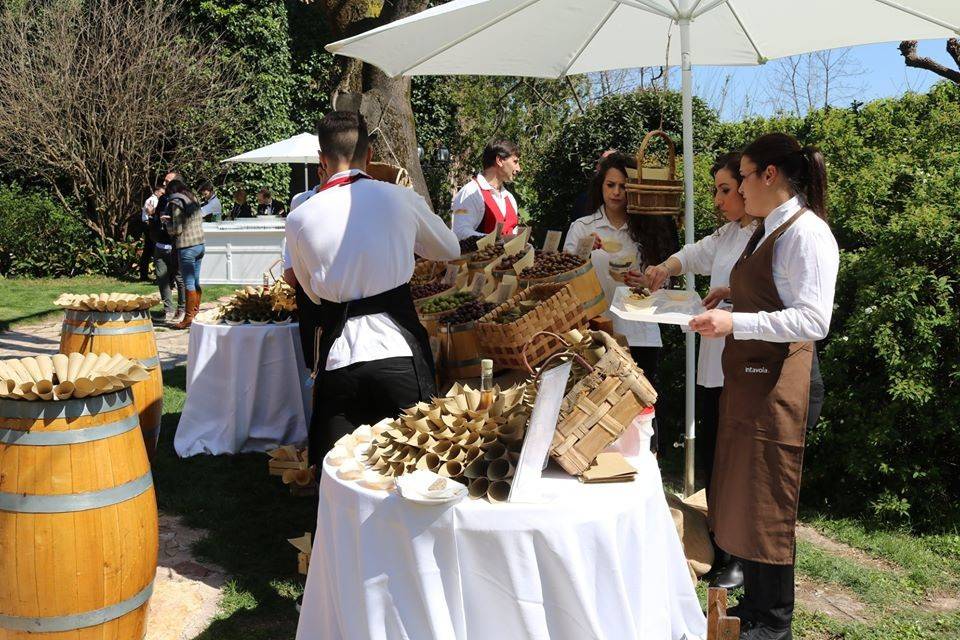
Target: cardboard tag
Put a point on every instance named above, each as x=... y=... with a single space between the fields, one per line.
x=524 y=262
x=479 y=280
x=498 y=230
x=463 y=277
x=514 y=246
x=488 y=290
x=585 y=246
x=508 y=286
x=487 y=240
x=526 y=232
x=450 y=277
x=552 y=242
x=536 y=443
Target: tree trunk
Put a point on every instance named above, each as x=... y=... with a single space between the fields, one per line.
x=908 y=49
x=383 y=101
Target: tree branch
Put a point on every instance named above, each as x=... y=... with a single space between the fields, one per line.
x=908 y=49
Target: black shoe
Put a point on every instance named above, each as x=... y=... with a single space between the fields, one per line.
x=729 y=577
x=758 y=631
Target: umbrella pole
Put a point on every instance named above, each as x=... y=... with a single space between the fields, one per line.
x=686 y=74
x=306 y=176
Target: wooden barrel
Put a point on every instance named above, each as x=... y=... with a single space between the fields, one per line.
x=78 y=520
x=459 y=351
x=585 y=285
x=131 y=334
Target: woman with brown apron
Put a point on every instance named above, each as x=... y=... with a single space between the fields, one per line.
x=782 y=289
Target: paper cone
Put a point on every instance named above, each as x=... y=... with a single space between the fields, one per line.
x=442 y=447
x=24 y=380
x=76 y=361
x=363 y=433
x=60 y=366
x=105 y=384
x=30 y=364
x=500 y=469
x=478 y=488
x=495 y=451
x=112 y=301
x=476 y=469
x=498 y=491
x=10 y=378
x=350 y=470
x=101 y=303
x=429 y=461
x=89 y=362
x=456 y=453
x=510 y=432
x=116 y=364
x=64 y=390
x=83 y=387
x=452 y=469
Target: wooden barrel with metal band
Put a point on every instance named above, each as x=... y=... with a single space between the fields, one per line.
x=459 y=351
x=78 y=520
x=131 y=334
x=586 y=287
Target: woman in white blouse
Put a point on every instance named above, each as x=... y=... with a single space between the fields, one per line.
x=782 y=289
x=713 y=255
x=621 y=238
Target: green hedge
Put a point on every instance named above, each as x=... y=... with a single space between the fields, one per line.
x=888 y=441
x=38 y=238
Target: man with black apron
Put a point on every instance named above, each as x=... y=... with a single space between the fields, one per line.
x=352 y=249
x=782 y=289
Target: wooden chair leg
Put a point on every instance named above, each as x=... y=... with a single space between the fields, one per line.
x=716 y=609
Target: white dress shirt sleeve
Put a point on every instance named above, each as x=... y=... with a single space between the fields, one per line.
x=467 y=211
x=434 y=240
x=576 y=231
x=698 y=257
x=811 y=261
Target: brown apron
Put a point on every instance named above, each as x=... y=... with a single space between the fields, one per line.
x=755 y=487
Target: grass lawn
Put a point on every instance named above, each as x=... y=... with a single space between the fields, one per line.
x=907 y=585
x=30 y=300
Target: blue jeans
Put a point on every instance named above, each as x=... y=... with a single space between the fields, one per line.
x=190 y=258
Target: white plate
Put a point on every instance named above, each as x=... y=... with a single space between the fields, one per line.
x=432 y=501
x=665 y=306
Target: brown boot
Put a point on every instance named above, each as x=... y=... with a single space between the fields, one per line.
x=193 y=305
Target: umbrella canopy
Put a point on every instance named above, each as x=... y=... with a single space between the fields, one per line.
x=302 y=147
x=553 y=38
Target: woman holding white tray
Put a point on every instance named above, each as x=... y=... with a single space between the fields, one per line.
x=782 y=288
x=623 y=245
x=714 y=255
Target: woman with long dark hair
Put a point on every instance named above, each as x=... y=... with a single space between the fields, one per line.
x=715 y=256
x=185 y=223
x=624 y=239
x=782 y=290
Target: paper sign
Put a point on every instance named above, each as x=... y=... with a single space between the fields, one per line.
x=536 y=444
x=489 y=288
x=585 y=246
x=450 y=277
x=524 y=262
x=463 y=277
x=492 y=265
x=523 y=231
x=507 y=288
x=499 y=229
x=514 y=246
x=479 y=280
x=552 y=242
x=487 y=240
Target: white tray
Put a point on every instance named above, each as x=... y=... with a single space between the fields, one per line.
x=665 y=306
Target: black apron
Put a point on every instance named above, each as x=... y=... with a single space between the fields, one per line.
x=396 y=303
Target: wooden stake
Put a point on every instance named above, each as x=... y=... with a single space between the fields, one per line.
x=716 y=609
x=728 y=628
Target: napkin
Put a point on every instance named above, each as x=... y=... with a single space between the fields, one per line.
x=609 y=467
x=424 y=483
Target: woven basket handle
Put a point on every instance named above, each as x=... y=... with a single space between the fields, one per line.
x=565 y=352
x=671 y=150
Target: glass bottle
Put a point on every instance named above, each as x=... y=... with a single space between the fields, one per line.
x=486 y=384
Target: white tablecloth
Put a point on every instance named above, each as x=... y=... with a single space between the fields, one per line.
x=598 y=562
x=245 y=389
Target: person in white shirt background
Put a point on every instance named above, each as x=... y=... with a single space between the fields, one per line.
x=619 y=237
x=212 y=209
x=782 y=289
x=714 y=255
x=484 y=201
x=373 y=356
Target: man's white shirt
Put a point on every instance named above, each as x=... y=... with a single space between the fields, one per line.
x=213 y=208
x=355 y=241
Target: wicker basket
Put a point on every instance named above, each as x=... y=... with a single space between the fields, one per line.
x=599 y=406
x=505 y=343
x=652 y=196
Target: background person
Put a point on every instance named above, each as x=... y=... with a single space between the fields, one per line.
x=212 y=210
x=714 y=255
x=184 y=222
x=241 y=208
x=620 y=237
x=484 y=201
x=267 y=206
x=782 y=289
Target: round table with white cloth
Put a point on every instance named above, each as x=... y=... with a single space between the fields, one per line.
x=245 y=389
x=600 y=561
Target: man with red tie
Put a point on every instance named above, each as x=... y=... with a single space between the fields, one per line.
x=484 y=201
x=352 y=249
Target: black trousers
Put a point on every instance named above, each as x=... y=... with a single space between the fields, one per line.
x=648 y=359
x=708 y=409
x=361 y=393
x=768 y=589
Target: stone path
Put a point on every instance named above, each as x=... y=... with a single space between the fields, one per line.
x=186 y=592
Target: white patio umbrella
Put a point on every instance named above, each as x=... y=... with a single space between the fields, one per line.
x=301 y=148
x=554 y=38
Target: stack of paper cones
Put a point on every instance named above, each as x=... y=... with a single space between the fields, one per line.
x=451 y=436
x=109 y=302
x=61 y=377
